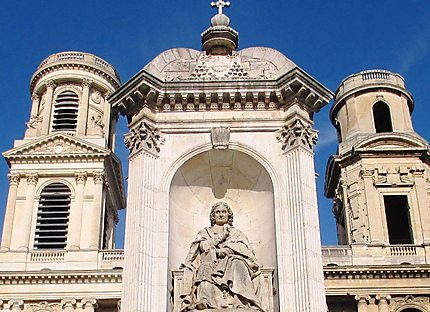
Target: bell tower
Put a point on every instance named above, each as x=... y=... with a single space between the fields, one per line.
x=379 y=178
x=65 y=181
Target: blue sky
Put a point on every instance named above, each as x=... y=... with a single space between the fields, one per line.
x=328 y=39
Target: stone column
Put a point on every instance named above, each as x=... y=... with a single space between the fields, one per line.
x=16 y=305
x=68 y=305
x=84 y=107
x=46 y=121
x=34 y=105
x=89 y=304
x=76 y=211
x=362 y=303
x=305 y=260
x=27 y=213
x=10 y=211
x=143 y=290
x=383 y=303
x=96 y=216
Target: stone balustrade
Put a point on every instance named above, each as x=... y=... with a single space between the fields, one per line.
x=72 y=56
x=369 y=78
x=382 y=254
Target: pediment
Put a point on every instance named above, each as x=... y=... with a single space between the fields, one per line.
x=56 y=145
x=392 y=141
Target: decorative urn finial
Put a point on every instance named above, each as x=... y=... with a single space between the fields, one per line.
x=220 y=38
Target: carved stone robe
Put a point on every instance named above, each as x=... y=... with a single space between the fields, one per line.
x=211 y=282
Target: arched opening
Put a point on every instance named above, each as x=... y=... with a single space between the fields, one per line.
x=52 y=217
x=232 y=177
x=411 y=310
x=221 y=175
x=338 y=130
x=66 y=112
x=382 y=117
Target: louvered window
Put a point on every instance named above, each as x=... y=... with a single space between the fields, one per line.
x=52 y=217
x=66 y=112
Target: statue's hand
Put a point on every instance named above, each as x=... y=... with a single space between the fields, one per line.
x=227 y=229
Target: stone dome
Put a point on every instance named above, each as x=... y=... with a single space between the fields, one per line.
x=256 y=63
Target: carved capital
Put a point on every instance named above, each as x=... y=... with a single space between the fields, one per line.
x=220 y=137
x=68 y=304
x=367 y=173
x=32 y=178
x=81 y=177
x=16 y=304
x=383 y=298
x=86 y=83
x=89 y=304
x=296 y=133
x=418 y=172
x=14 y=178
x=362 y=298
x=35 y=97
x=107 y=94
x=50 y=84
x=144 y=136
x=99 y=177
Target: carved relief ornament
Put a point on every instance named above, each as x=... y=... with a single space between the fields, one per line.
x=44 y=306
x=220 y=137
x=144 y=136
x=399 y=303
x=296 y=133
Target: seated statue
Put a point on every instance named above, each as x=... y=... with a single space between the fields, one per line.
x=220 y=271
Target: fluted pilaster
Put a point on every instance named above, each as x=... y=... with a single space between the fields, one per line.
x=75 y=224
x=145 y=267
x=46 y=122
x=10 y=211
x=27 y=214
x=96 y=216
x=306 y=273
x=83 y=107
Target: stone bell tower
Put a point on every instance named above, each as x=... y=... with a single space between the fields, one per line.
x=379 y=182
x=222 y=125
x=65 y=181
x=379 y=177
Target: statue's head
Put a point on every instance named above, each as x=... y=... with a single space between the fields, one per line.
x=223 y=205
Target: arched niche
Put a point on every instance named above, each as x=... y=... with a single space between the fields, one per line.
x=222 y=175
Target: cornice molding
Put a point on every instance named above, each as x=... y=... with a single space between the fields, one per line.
x=60 y=278
x=351 y=273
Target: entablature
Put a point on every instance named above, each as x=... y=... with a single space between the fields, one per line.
x=145 y=90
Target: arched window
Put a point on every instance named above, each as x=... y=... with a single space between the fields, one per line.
x=52 y=217
x=338 y=130
x=382 y=117
x=66 y=112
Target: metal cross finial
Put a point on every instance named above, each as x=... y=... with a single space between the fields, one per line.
x=220 y=4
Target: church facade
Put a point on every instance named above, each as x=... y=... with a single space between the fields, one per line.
x=228 y=129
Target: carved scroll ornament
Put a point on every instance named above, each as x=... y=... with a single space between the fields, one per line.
x=144 y=136
x=297 y=133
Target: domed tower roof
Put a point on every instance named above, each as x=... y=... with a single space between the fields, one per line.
x=66 y=65
x=219 y=77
